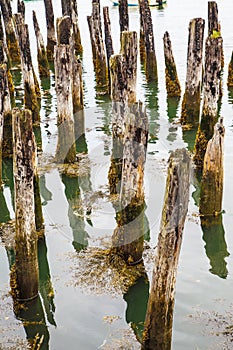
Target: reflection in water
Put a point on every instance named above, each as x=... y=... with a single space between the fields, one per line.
x=32 y=315
x=45 y=193
x=189 y=136
x=7 y=171
x=4 y=212
x=75 y=212
x=172 y=107
x=136 y=299
x=215 y=247
x=230 y=95
x=152 y=106
x=45 y=284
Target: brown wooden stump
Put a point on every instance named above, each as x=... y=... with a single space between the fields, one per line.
x=2 y=92
x=31 y=86
x=108 y=35
x=66 y=152
x=148 y=36
x=26 y=260
x=128 y=237
x=98 y=52
x=214 y=26
x=64 y=36
x=21 y=8
x=51 y=37
x=129 y=49
x=211 y=92
x=157 y=333
x=230 y=72
x=212 y=177
x=190 y=112
x=172 y=81
x=123 y=15
x=43 y=64
x=11 y=38
x=69 y=8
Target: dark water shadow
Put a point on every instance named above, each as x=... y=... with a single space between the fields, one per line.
x=136 y=299
x=215 y=244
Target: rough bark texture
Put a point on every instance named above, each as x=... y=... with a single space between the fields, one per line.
x=148 y=36
x=123 y=15
x=98 y=52
x=212 y=178
x=230 y=72
x=63 y=76
x=158 y=324
x=6 y=146
x=129 y=49
x=43 y=64
x=11 y=38
x=31 y=97
x=211 y=94
x=64 y=33
x=213 y=24
x=2 y=93
x=69 y=8
x=172 y=81
x=26 y=261
x=21 y=8
x=108 y=35
x=128 y=237
x=51 y=37
x=190 y=112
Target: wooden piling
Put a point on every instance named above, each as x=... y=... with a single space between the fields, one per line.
x=128 y=237
x=212 y=177
x=11 y=37
x=21 y=8
x=43 y=64
x=51 y=37
x=24 y=156
x=64 y=36
x=157 y=333
x=31 y=97
x=2 y=93
x=230 y=72
x=190 y=112
x=98 y=52
x=108 y=35
x=172 y=81
x=211 y=91
x=214 y=27
x=69 y=8
x=66 y=152
x=123 y=15
x=148 y=36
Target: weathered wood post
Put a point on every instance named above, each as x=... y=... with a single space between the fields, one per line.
x=172 y=81
x=43 y=64
x=128 y=237
x=51 y=37
x=108 y=35
x=211 y=92
x=212 y=177
x=24 y=156
x=31 y=97
x=98 y=52
x=123 y=15
x=148 y=36
x=230 y=72
x=123 y=69
x=213 y=23
x=64 y=36
x=11 y=38
x=69 y=8
x=66 y=152
x=157 y=333
x=21 y=8
x=2 y=92
x=190 y=112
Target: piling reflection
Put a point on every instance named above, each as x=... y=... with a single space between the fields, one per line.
x=31 y=314
x=172 y=108
x=152 y=105
x=215 y=244
x=136 y=299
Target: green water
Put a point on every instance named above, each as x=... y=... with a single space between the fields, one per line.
x=80 y=305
